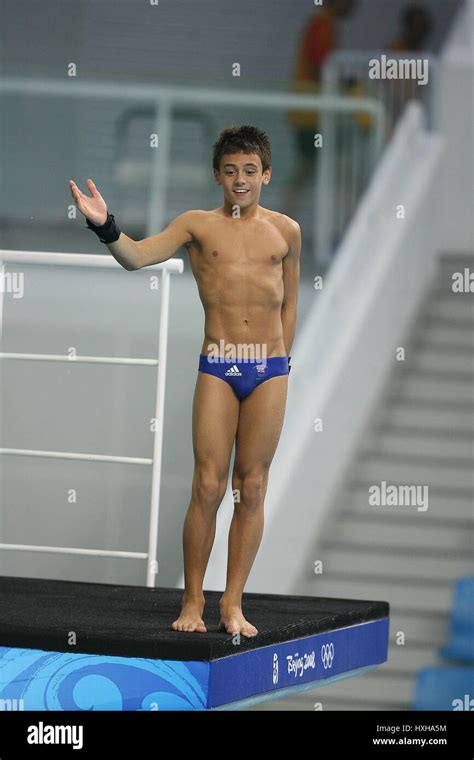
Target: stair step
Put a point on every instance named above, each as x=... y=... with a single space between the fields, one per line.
x=376 y=470
x=405 y=444
x=430 y=385
x=452 y=306
x=406 y=595
x=419 y=628
x=377 y=687
x=377 y=562
x=418 y=534
x=426 y=320
x=441 y=506
x=438 y=335
x=463 y=258
x=451 y=264
x=425 y=419
x=408 y=659
x=417 y=386
x=427 y=359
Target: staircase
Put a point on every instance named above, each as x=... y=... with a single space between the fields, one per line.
x=422 y=434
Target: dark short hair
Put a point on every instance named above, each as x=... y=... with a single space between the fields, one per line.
x=242 y=139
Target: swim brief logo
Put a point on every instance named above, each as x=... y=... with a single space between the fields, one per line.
x=234 y=371
x=260 y=369
x=275 y=668
x=327 y=655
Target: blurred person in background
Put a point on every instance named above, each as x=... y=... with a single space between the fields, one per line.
x=415 y=26
x=319 y=40
x=416 y=23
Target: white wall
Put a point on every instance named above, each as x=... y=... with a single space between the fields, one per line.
x=455 y=120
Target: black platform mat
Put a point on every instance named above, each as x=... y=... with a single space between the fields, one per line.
x=134 y=621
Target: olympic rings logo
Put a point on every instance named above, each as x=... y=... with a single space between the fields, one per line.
x=327 y=655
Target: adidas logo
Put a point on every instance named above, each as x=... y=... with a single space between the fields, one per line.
x=234 y=371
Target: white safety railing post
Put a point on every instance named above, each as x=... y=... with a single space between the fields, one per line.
x=158 y=425
x=2 y=289
x=323 y=219
x=159 y=167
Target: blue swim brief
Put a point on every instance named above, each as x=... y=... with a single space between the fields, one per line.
x=244 y=376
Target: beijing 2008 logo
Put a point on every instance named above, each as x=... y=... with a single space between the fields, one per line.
x=275 y=668
x=327 y=655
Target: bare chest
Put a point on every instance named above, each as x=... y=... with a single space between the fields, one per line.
x=260 y=247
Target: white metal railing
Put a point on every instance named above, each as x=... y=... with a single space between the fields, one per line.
x=350 y=68
x=104 y=262
x=166 y=97
x=343 y=169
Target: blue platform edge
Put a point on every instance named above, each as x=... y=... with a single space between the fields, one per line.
x=32 y=679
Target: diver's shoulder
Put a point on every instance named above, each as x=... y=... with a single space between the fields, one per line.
x=285 y=222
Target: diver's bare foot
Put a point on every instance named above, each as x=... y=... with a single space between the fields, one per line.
x=190 y=617
x=233 y=621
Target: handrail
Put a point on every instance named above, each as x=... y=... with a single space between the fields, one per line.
x=174 y=266
x=104 y=262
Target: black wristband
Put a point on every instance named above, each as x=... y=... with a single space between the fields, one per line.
x=107 y=232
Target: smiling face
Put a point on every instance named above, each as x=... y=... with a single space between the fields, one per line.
x=241 y=177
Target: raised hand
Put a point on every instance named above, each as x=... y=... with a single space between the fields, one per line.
x=93 y=207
